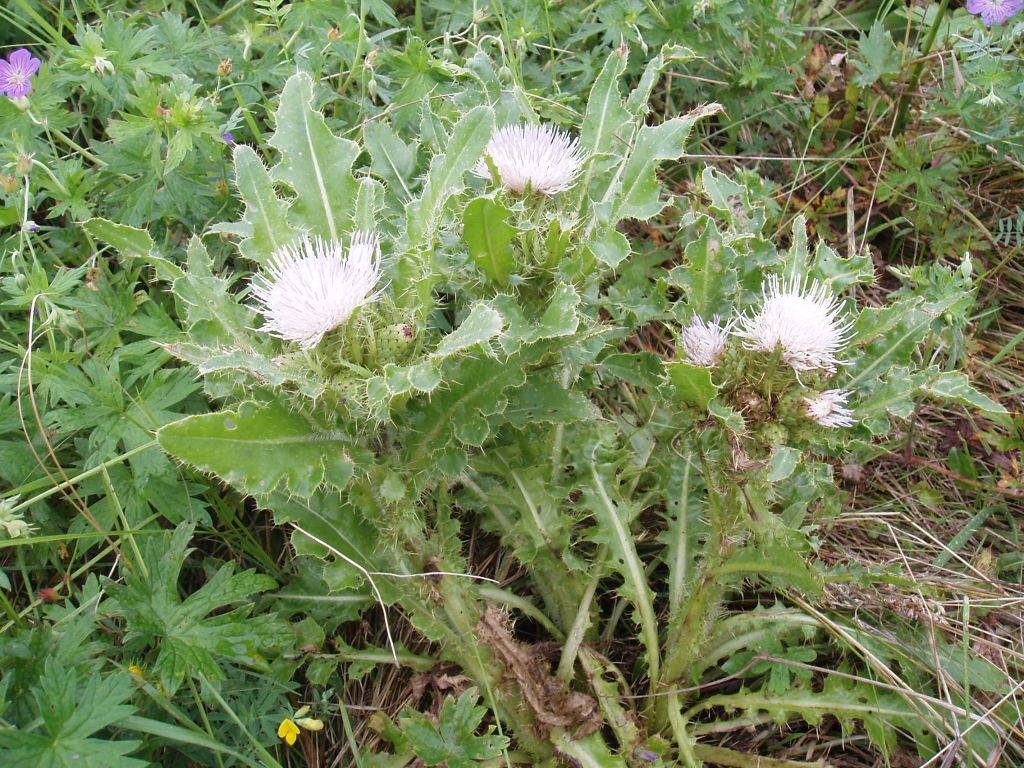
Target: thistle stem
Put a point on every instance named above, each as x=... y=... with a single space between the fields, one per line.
x=687 y=629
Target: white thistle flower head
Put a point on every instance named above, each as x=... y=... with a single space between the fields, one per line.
x=313 y=285
x=703 y=342
x=829 y=408
x=803 y=320
x=545 y=158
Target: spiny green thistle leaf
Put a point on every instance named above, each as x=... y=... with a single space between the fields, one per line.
x=315 y=163
x=489 y=237
x=610 y=247
x=882 y=713
x=891 y=336
x=445 y=177
x=640 y=194
x=607 y=127
x=476 y=392
x=955 y=386
x=368 y=204
x=613 y=517
x=709 y=277
x=637 y=103
x=266 y=214
x=777 y=565
x=259 y=367
x=782 y=464
x=391 y=159
x=245 y=447
x=214 y=317
x=730 y=200
x=338 y=526
x=481 y=324
x=560 y=319
x=133 y=243
x=691 y=383
x=544 y=400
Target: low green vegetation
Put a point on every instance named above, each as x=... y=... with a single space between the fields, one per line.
x=535 y=383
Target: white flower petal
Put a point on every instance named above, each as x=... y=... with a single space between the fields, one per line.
x=829 y=408
x=543 y=157
x=703 y=342
x=312 y=286
x=803 y=320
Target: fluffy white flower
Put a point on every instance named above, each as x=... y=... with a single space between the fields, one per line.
x=313 y=285
x=829 y=408
x=703 y=342
x=803 y=320
x=539 y=155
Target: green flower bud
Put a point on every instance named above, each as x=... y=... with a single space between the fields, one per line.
x=772 y=434
x=791 y=408
x=22 y=164
x=396 y=343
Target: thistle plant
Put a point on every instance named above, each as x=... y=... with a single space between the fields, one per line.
x=314 y=286
x=531 y=158
x=383 y=403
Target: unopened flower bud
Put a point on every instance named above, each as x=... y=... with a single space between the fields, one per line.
x=8 y=184
x=310 y=723
x=224 y=68
x=395 y=342
x=371 y=88
x=334 y=34
x=101 y=65
x=771 y=434
x=22 y=165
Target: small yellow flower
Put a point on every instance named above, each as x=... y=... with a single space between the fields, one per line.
x=289 y=728
x=135 y=670
x=288 y=731
x=310 y=723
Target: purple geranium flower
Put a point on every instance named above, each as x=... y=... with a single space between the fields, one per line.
x=228 y=138
x=994 y=11
x=16 y=73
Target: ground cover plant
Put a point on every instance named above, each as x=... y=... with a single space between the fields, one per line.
x=536 y=383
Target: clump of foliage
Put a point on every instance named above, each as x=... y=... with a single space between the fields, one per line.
x=396 y=315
